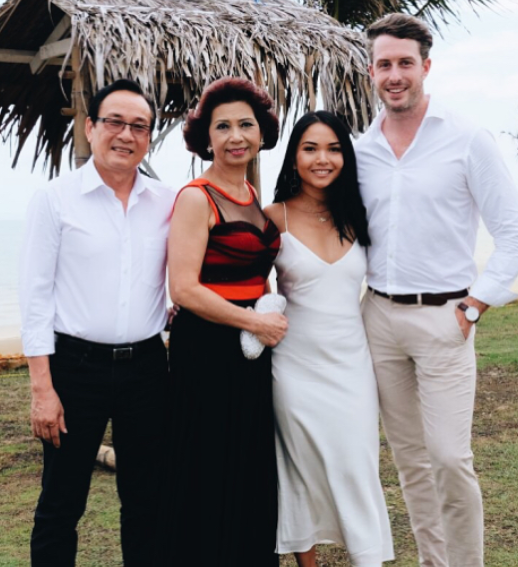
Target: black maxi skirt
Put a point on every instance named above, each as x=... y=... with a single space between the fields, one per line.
x=219 y=504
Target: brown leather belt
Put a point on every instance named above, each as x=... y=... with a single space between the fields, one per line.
x=423 y=298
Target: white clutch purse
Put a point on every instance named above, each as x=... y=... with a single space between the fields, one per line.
x=251 y=346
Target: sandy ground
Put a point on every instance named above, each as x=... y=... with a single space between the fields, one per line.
x=10 y=342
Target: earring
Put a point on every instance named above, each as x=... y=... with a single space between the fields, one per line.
x=209 y=149
x=261 y=143
x=295 y=183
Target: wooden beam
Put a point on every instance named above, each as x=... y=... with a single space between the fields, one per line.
x=16 y=56
x=106 y=457
x=80 y=101
x=49 y=51
x=22 y=56
x=67 y=75
x=39 y=61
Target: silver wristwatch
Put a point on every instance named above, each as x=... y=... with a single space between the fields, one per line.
x=471 y=313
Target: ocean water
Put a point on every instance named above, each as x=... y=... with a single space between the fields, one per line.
x=11 y=235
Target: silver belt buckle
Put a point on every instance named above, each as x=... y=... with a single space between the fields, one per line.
x=419 y=299
x=125 y=353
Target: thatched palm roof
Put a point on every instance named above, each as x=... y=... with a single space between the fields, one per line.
x=173 y=48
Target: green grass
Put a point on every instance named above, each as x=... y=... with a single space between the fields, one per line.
x=20 y=474
x=495 y=444
x=497 y=338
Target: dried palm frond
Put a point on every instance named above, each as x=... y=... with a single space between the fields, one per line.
x=175 y=48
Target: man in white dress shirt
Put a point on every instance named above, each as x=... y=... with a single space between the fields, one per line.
x=93 y=305
x=426 y=176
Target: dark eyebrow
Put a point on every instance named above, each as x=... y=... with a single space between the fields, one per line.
x=315 y=143
x=240 y=119
x=120 y=117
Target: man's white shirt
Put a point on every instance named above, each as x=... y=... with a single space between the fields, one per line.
x=424 y=209
x=88 y=268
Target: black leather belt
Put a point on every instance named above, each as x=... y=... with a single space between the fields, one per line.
x=423 y=298
x=108 y=352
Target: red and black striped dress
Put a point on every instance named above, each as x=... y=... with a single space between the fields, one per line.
x=221 y=498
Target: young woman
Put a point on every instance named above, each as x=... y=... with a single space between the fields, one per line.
x=220 y=506
x=325 y=395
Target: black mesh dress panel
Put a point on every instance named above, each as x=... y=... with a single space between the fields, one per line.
x=232 y=211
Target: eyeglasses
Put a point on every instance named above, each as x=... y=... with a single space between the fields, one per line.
x=116 y=126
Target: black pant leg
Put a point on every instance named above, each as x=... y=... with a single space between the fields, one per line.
x=82 y=388
x=138 y=429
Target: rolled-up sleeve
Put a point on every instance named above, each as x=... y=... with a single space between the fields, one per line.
x=37 y=274
x=496 y=197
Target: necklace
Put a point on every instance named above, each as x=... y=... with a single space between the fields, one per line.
x=321 y=218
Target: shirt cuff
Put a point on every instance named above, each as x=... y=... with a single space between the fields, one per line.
x=490 y=292
x=38 y=343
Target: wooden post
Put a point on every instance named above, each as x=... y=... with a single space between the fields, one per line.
x=106 y=457
x=253 y=172
x=253 y=175
x=80 y=101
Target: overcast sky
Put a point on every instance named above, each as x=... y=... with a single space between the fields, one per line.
x=474 y=70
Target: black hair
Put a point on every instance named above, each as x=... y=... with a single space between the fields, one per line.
x=343 y=197
x=119 y=85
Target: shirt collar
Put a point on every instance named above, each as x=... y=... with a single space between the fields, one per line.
x=434 y=110
x=91 y=180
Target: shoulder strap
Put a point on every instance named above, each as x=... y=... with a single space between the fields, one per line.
x=201 y=185
x=285 y=216
x=252 y=189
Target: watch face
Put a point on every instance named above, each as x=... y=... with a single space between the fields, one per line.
x=472 y=314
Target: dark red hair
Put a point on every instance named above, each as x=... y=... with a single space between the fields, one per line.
x=223 y=91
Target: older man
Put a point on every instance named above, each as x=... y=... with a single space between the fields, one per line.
x=426 y=175
x=93 y=305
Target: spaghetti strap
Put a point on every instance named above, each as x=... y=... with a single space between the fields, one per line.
x=285 y=216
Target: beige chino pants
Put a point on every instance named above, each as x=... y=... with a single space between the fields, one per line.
x=426 y=374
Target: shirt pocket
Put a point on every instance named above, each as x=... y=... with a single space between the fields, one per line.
x=154 y=261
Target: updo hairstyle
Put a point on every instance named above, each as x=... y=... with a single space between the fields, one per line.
x=223 y=91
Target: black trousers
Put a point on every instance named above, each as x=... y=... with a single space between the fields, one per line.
x=93 y=388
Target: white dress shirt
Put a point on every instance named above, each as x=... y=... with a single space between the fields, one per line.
x=424 y=209
x=89 y=269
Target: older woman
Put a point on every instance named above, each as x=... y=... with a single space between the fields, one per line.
x=221 y=508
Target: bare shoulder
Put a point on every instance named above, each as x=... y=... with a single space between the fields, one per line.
x=192 y=207
x=275 y=212
x=192 y=196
